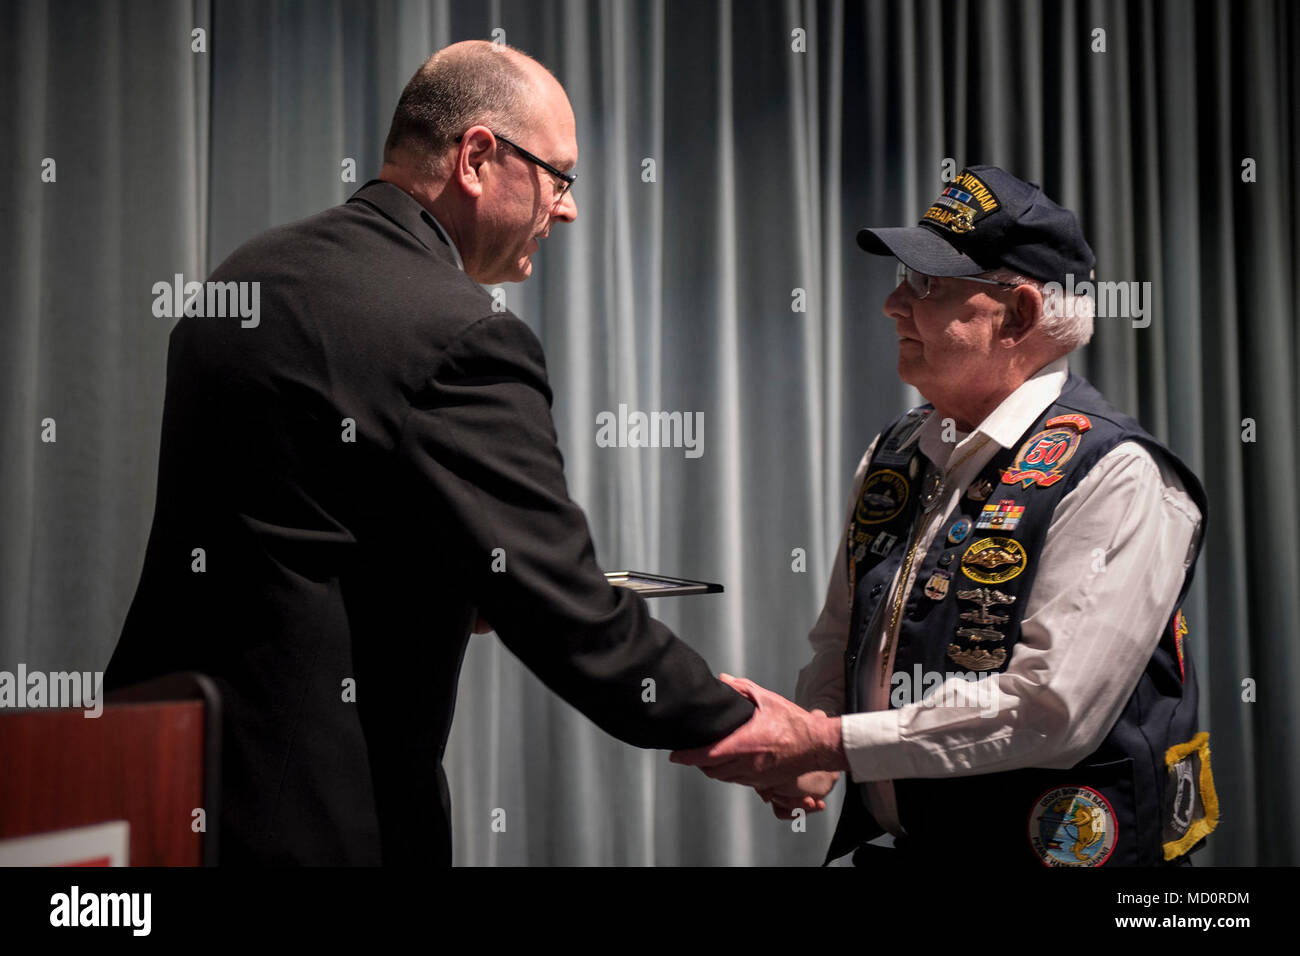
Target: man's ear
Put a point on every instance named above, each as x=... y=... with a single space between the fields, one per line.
x=1023 y=315
x=477 y=146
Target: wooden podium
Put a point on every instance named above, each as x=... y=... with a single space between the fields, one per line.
x=151 y=758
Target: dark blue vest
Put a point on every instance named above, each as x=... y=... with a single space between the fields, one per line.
x=1145 y=796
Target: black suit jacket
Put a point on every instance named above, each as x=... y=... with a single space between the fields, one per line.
x=326 y=561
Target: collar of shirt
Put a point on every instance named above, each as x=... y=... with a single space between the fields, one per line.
x=403 y=209
x=1003 y=426
x=442 y=233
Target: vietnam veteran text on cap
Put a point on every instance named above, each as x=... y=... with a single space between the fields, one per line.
x=988 y=219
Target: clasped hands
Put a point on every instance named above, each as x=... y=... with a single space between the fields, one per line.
x=790 y=756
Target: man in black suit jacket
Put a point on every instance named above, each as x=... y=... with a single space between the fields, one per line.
x=353 y=479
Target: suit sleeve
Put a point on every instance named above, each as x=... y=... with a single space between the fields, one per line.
x=482 y=439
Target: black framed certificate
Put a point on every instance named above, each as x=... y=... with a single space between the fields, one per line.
x=659 y=585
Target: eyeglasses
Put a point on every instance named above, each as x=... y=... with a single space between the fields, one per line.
x=565 y=179
x=921 y=284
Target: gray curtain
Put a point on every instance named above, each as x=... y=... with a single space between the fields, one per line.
x=679 y=293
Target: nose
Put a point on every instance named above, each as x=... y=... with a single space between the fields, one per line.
x=567 y=208
x=898 y=304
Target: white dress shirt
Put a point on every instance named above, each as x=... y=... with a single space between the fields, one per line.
x=1108 y=576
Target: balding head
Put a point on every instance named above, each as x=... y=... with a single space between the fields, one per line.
x=483 y=138
x=466 y=84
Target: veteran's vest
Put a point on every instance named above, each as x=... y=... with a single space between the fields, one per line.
x=1145 y=796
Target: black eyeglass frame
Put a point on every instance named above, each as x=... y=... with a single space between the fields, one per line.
x=567 y=178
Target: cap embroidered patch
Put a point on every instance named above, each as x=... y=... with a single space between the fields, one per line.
x=962 y=205
x=1072 y=826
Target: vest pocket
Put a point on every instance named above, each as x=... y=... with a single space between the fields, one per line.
x=1083 y=816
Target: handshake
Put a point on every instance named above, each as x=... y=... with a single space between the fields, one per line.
x=791 y=756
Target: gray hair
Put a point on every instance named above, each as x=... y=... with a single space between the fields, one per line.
x=468 y=84
x=1067 y=316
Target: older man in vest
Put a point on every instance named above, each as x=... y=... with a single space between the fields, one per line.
x=999 y=665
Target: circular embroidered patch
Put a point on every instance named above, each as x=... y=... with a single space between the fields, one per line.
x=1041 y=458
x=1072 y=826
x=994 y=560
x=884 y=493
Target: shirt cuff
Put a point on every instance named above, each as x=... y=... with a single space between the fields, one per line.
x=873 y=746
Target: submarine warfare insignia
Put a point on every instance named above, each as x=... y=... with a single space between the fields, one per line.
x=977 y=659
x=985 y=598
x=1049 y=449
x=994 y=560
x=884 y=493
x=980 y=658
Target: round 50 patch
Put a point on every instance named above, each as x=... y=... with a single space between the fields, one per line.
x=1041 y=458
x=884 y=493
x=994 y=560
x=1072 y=826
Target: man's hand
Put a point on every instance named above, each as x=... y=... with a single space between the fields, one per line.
x=781 y=741
x=806 y=792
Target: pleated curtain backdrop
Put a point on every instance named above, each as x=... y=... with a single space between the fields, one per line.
x=726 y=161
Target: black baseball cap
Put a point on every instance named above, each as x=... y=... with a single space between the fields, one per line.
x=988 y=219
